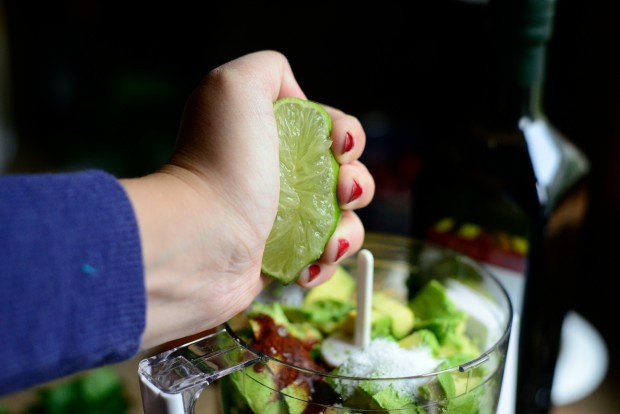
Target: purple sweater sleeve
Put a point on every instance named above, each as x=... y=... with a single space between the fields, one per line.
x=72 y=293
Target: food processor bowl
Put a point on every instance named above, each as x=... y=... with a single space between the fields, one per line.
x=282 y=376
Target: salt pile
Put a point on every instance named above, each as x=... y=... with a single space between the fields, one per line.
x=384 y=358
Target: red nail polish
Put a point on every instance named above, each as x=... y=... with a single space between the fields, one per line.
x=356 y=191
x=343 y=246
x=348 y=142
x=313 y=271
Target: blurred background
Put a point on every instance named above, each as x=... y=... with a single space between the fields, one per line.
x=102 y=84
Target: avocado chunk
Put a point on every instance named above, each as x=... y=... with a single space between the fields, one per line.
x=373 y=395
x=380 y=324
x=458 y=343
x=327 y=305
x=255 y=389
x=394 y=402
x=304 y=331
x=341 y=287
x=296 y=398
x=401 y=316
x=422 y=337
x=461 y=384
x=434 y=310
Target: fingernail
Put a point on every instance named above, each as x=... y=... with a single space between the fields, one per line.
x=356 y=191
x=343 y=246
x=348 y=142
x=313 y=271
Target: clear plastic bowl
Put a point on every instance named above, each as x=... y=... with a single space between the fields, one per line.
x=251 y=380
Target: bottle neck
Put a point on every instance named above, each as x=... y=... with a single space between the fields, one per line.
x=525 y=28
x=523 y=83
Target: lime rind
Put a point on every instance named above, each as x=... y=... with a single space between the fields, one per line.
x=308 y=210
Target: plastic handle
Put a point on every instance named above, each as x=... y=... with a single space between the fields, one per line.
x=172 y=381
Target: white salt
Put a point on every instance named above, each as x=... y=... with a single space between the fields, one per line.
x=384 y=358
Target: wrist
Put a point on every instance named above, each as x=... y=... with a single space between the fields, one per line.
x=168 y=211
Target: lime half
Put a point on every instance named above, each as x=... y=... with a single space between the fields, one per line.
x=308 y=209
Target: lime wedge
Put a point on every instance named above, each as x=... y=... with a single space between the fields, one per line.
x=308 y=209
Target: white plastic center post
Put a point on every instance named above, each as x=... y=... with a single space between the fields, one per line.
x=339 y=346
x=365 y=276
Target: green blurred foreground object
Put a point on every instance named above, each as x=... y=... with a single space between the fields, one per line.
x=308 y=209
x=97 y=392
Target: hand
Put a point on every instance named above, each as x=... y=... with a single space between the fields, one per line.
x=204 y=217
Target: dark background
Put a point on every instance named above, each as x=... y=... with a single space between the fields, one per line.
x=101 y=84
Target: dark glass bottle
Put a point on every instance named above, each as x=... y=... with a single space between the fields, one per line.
x=502 y=184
